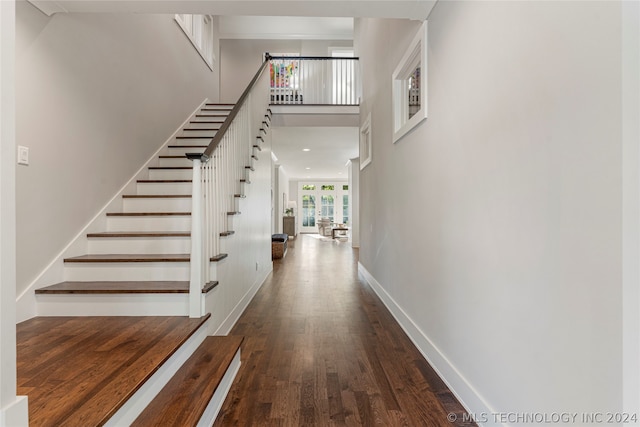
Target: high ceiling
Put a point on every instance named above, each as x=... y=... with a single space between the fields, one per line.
x=410 y=9
x=285 y=27
x=330 y=149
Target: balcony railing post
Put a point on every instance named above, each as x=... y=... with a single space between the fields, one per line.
x=196 y=278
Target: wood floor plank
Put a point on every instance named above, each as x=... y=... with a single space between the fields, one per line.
x=321 y=349
x=78 y=371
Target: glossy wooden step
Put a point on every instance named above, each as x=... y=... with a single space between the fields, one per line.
x=78 y=371
x=117 y=234
x=148 y=214
x=183 y=401
x=122 y=287
x=109 y=258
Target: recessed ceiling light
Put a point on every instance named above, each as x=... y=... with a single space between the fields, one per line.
x=339 y=173
x=306 y=149
x=307 y=168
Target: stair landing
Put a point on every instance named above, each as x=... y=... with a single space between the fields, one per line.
x=81 y=370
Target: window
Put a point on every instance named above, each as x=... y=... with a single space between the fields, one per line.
x=345 y=187
x=308 y=187
x=328 y=187
x=410 y=87
x=308 y=211
x=345 y=208
x=199 y=30
x=327 y=205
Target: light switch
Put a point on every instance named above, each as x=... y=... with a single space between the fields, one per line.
x=23 y=155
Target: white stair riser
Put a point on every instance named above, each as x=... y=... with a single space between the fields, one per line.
x=149 y=223
x=182 y=161
x=175 y=150
x=194 y=133
x=115 y=271
x=170 y=173
x=173 y=204
x=113 y=305
x=208 y=108
x=139 y=245
x=149 y=188
x=191 y=141
x=204 y=122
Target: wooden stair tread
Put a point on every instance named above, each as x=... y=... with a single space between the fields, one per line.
x=200 y=129
x=170 y=167
x=129 y=258
x=81 y=370
x=122 y=287
x=186 y=396
x=156 y=196
x=218 y=257
x=227 y=233
x=140 y=234
x=163 y=181
x=187 y=146
x=149 y=214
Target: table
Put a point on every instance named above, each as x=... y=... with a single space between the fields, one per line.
x=334 y=229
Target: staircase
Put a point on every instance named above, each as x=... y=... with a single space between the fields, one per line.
x=142 y=257
x=139 y=265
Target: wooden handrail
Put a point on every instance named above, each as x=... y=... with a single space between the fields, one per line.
x=324 y=58
x=215 y=141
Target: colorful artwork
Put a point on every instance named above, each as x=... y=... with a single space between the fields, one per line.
x=283 y=72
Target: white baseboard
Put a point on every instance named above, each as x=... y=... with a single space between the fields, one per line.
x=237 y=311
x=16 y=414
x=26 y=305
x=464 y=391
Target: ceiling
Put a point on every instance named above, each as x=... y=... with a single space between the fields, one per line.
x=285 y=28
x=330 y=150
x=409 y=9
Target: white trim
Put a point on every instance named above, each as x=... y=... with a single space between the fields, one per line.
x=16 y=413
x=215 y=404
x=464 y=391
x=48 y=7
x=237 y=311
x=416 y=54
x=26 y=306
x=366 y=147
x=630 y=160
x=193 y=41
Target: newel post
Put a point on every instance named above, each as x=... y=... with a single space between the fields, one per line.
x=197 y=227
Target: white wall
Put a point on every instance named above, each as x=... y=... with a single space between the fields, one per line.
x=97 y=94
x=240 y=59
x=249 y=262
x=13 y=409
x=354 y=206
x=281 y=196
x=494 y=228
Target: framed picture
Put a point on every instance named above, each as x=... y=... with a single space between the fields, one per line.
x=410 y=86
x=365 y=142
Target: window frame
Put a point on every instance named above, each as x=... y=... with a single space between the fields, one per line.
x=199 y=30
x=415 y=55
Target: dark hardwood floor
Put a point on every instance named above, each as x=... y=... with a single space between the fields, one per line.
x=78 y=371
x=321 y=349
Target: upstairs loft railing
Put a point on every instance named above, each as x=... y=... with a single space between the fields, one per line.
x=217 y=175
x=309 y=80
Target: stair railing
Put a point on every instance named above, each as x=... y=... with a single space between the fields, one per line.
x=314 y=80
x=217 y=175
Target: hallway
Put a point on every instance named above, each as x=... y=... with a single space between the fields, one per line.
x=321 y=349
